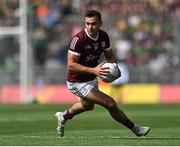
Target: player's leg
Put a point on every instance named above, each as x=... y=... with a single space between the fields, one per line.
x=78 y=107
x=110 y=104
x=75 y=109
x=80 y=90
x=106 y=101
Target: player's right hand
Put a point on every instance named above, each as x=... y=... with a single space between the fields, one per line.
x=101 y=71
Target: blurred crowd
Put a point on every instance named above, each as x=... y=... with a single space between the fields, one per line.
x=144 y=34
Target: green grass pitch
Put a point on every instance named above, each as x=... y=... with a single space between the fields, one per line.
x=35 y=125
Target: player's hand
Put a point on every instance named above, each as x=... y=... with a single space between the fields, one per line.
x=101 y=71
x=119 y=72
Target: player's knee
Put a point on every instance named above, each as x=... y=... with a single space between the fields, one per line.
x=88 y=107
x=111 y=104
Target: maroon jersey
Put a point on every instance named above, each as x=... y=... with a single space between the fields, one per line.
x=89 y=51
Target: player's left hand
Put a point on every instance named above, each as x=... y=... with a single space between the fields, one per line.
x=119 y=72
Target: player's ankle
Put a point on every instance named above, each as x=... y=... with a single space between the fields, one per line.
x=129 y=124
x=67 y=115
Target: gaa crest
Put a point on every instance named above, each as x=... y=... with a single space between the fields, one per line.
x=103 y=44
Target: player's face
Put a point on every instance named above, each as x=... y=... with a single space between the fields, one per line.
x=92 y=25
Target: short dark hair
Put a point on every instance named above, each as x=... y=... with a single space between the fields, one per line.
x=92 y=13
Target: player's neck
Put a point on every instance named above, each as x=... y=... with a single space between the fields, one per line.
x=94 y=37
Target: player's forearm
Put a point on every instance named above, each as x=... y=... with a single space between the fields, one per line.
x=110 y=57
x=75 y=67
x=112 y=60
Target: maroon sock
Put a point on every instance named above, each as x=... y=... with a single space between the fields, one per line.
x=67 y=115
x=129 y=124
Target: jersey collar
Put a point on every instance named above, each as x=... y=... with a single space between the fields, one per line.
x=95 y=39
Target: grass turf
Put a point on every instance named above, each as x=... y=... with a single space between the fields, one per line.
x=34 y=125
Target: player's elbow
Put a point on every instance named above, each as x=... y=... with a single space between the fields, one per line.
x=70 y=67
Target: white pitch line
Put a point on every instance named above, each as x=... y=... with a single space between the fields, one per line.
x=101 y=137
x=89 y=137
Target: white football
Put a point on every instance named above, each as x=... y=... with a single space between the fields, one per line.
x=113 y=73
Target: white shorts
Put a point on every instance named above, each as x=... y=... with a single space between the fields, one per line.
x=82 y=89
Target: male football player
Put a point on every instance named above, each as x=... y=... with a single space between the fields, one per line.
x=83 y=68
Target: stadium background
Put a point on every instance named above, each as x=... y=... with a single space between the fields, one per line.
x=146 y=31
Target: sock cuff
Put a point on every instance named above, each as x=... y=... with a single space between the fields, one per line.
x=67 y=115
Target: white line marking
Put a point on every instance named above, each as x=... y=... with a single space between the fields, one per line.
x=90 y=137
